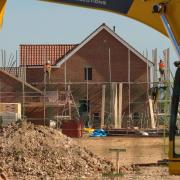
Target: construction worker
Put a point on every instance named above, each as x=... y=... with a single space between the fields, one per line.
x=154 y=93
x=162 y=70
x=47 y=69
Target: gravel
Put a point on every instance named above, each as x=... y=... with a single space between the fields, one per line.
x=39 y=152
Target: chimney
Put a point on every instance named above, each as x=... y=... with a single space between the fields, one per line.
x=114 y=28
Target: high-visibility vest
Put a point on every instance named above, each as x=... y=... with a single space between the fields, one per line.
x=47 y=67
x=161 y=65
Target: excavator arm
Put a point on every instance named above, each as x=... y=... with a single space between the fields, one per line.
x=2 y=10
x=161 y=15
x=140 y=10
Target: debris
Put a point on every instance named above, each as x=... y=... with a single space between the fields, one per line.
x=143 y=133
x=98 y=133
x=38 y=152
x=88 y=130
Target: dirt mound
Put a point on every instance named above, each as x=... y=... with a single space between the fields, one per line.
x=38 y=152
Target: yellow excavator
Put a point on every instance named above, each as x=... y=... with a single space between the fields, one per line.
x=161 y=15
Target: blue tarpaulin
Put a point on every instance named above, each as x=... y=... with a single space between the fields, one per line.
x=98 y=133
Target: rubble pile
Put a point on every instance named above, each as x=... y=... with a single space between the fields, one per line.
x=38 y=152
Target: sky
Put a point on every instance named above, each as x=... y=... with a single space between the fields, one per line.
x=35 y=22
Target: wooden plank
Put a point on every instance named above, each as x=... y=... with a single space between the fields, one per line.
x=151 y=113
x=154 y=59
x=115 y=106
x=120 y=105
x=166 y=60
x=103 y=105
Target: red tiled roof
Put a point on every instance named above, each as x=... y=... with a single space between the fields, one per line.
x=38 y=55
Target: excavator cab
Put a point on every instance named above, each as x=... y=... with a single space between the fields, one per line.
x=174 y=127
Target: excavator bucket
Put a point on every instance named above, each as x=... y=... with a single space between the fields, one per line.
x=2 y=10
x=140 y=10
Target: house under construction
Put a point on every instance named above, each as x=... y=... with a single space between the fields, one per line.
x=103 y=80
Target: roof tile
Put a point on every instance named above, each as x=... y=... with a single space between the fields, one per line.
x=38 y=55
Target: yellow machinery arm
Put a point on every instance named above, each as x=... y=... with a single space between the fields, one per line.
x=161 y=15
x=2 y=9
x=140 y=10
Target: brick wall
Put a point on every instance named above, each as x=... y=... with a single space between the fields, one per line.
x=96 y=54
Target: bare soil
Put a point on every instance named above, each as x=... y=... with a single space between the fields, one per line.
x=139 y=150
x=31 y=152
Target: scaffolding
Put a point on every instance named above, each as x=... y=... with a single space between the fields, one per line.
x=161 y=105
x=102 y=104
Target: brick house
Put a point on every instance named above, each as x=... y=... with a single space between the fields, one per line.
x=13 y=90
x=107 y=78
